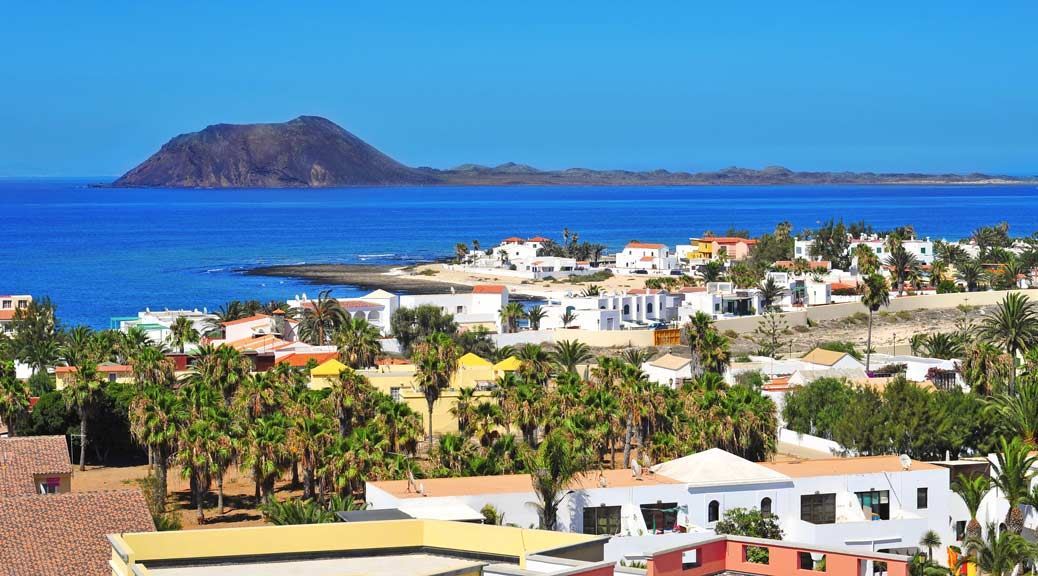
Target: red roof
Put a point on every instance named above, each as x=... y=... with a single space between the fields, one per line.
x=692 y=289
x=387 y=361
x=777 y=384
x=358 y=304
x=489 y=289
x=512 y=240
x=7 y=314
x=647 y=245
x=266 y=343
x=644 y=291
x=727 y=239
x=244 y=320
x=539 y=239
x=843 y=286
x=301 y=359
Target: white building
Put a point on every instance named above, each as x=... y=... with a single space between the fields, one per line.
x=871 y=503
x=9 y=304
x=800 y=291
x=515 y=248
x=720 y=300
x=922 y=249
x=156 y=324
x=820 y=359
x=635 y=308
x=481 y=307
x=645 y=258
x=669 y=370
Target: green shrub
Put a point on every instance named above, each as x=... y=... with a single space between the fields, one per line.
x=841 y=346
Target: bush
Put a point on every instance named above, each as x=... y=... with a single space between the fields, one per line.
x=801 y=328
x=291 y=512
x=947 y=287
x=50 y=417
x=845 y=291
x=41 y=383
x=903 y=315
x=600 y=276
x=428 y=272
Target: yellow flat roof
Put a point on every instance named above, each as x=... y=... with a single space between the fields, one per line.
x=842 y=466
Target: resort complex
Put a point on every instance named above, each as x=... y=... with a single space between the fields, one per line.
x=720 y=408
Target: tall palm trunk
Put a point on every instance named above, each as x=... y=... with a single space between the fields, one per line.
x=161 y=477
x=628 y=437
x=219 y=491
x=82 y=439
x=973 y=529
x=868 y=344
x=1015 y=520
x=430 y=437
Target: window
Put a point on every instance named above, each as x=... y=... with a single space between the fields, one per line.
x=875 y=504
x=818 y=508
x=765 y=506
x=879 y=568
x=921 y=498
x=459 y=310
x=46 y=488
x=960 y=530
x=660 y=517
x=112 y=376
x=922 y=249
x=627 y=309
x=713 y=511
x=648 y=307
x=811 y=561
x=602 y=520
x=690 y=559
x=7 y=304
x=394 y=393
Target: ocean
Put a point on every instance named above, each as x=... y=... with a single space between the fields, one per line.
x=101 y=253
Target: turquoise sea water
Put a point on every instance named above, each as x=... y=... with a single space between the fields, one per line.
x=102 y=252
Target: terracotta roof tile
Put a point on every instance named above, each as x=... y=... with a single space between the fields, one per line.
x=7 y=314
x=646 y=245
x=539 y=239
x=301 y=359
x=66 y=533
x=489 y=289
x=244 y=320
x=23 y=456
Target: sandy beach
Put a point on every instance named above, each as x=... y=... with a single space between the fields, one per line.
x=434 y=279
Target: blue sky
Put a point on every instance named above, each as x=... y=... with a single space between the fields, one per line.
x=93 y=88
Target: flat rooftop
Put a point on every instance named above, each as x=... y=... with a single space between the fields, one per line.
x=845 y=466
x=509 y=483
x=412 y=564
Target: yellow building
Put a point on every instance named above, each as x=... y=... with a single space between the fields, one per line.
x=111 y=372
x=372 y=548
x=397 y=380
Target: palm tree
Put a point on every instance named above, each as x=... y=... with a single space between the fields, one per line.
x=156 y=415
x=591 y=290
x=320 y=319
x=36 y=338
x=874 y=295
x=714 y=352
x=486 y=419
x=182 y=332
x=535 y=314
x=436 y=361
x=568 y=354
x=972 y=490
x=553 y=467
x=693 y=332
x=904 y=263
x=1016 y=415
x=1013 y=474
x=866 y=258
x=510 y=315
x=265 y=453
x=82 y=393
x=568 y=317
x=633 y=384
x=464 y=409
x=196 y=458
x=769 y=293
x=535 y=363
x=930 y=540
x=350 y=392
x=970 y=273
x=997 y=555
x=941 y=345
x=1013 y=326
x=399 y=422
x=14 y=397
x=359 y=343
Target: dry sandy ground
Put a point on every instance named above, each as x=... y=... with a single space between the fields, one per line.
x=437 y=273
x=890 y=332
x=238 y=493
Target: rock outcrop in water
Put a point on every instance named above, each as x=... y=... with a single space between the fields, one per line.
x=306 y=152
x=314 y=152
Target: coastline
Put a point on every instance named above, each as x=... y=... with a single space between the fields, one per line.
x=433 y=278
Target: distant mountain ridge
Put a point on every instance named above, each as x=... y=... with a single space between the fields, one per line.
x=314 y=152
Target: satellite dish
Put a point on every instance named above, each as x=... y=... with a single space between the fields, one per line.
x=636 y=469
x=905 y=461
